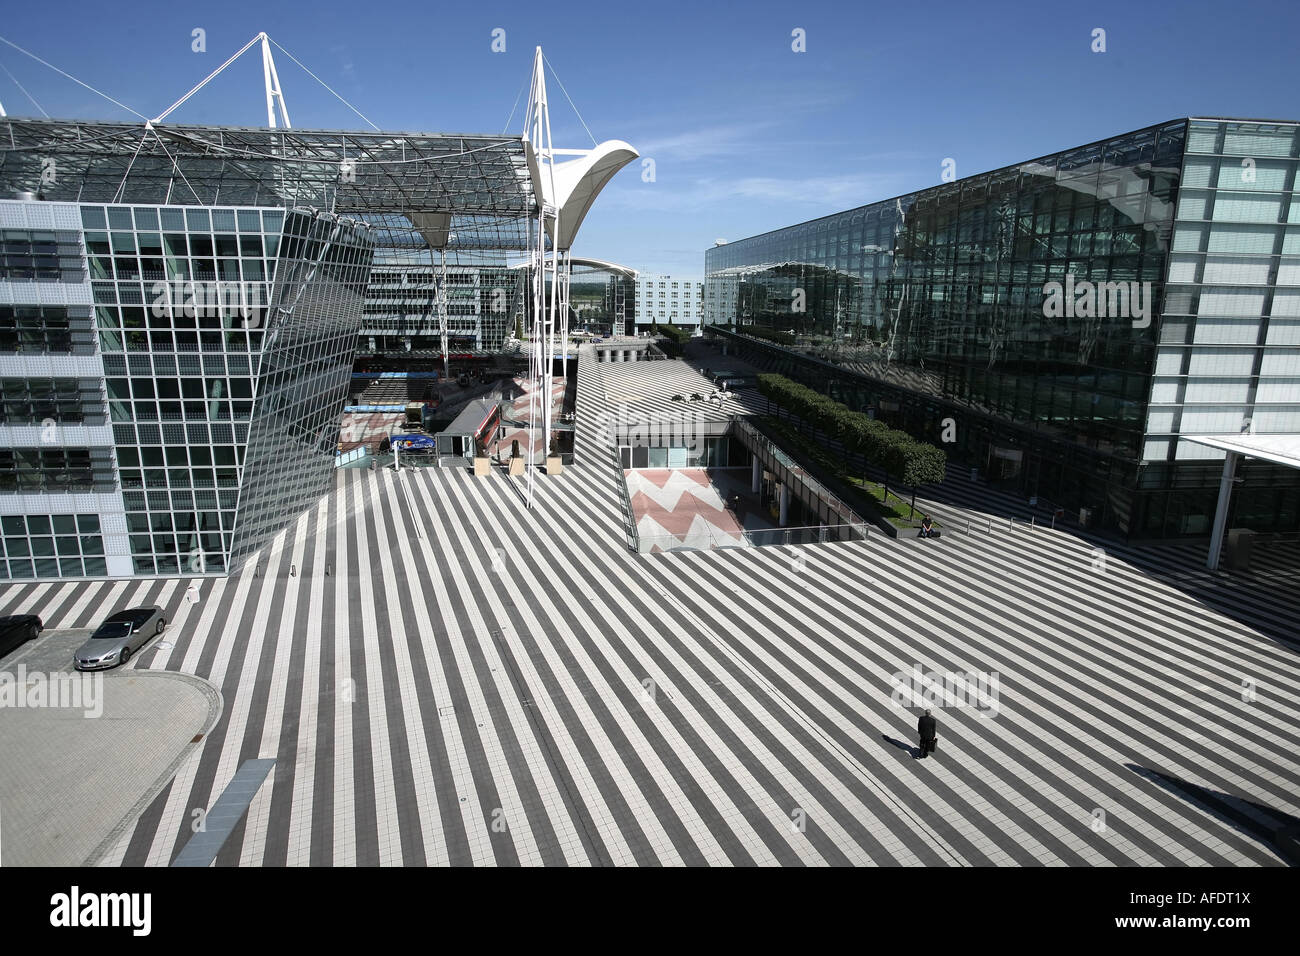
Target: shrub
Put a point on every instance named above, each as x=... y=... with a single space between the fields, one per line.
x=672 y=333
x=909 y=461
x=780 y=338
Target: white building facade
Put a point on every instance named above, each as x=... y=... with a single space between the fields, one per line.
x=669 y=300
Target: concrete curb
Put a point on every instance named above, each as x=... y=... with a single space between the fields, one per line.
x=216 y=704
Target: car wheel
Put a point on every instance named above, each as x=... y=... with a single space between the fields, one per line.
x=35 y=631
x=162 y=622
x=125 y=656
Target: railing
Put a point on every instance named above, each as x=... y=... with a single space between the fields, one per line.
x=707 y=539
x=353 y=454
x=761 y=441
x=620 y=480
x=629 y=518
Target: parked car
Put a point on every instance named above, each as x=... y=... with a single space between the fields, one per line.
x=121 y=635
x=17 y=629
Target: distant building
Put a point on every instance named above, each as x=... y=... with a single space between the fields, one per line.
x=484 y=302
x=669 y=300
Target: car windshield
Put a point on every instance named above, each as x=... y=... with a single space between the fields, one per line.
x=113 y=629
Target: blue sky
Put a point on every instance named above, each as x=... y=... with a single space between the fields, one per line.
x=746 y=134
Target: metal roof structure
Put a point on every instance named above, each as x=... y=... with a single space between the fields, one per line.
x=472 y=417
x=589 y=265
x=1280 y=449
x=350 y=172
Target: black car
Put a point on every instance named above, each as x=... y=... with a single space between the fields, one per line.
x=17 y=630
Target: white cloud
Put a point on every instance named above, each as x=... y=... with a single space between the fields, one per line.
x=832 y=193
x=713 y=141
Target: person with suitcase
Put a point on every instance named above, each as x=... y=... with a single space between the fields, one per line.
x=928 y=729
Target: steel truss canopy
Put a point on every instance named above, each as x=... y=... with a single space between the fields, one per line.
x=351 y=172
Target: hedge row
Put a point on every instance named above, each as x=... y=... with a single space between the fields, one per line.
x=780 y=338
x=905 y=459
x=672 y=333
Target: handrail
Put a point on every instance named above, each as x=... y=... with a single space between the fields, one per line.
x=762 y=537
x=781 y=456
x=620 y=481
x=629 y=517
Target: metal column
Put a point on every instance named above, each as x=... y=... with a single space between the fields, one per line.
x=1221 y=510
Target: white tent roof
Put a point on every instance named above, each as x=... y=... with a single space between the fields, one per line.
x=578 y=182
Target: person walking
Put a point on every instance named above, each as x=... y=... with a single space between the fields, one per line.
x=928 y=729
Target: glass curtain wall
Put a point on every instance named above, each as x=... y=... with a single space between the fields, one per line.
x=939 y=302
x=1228 y=356
x=192 y=341
x=303 y=376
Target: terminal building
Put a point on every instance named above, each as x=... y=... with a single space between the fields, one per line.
x=181 y=307
x=415 y=293
x=131 y=441
x=1065 y=322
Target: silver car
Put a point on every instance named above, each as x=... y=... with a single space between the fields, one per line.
x=121 y=635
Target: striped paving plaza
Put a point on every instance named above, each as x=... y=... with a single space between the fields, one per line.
x=446 y=678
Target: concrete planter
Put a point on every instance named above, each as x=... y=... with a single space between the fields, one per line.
x=516 y=466
x=482 y=467
x=554 y=465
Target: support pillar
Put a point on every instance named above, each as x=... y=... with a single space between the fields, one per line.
x=1221 y=510
x=785 y=505
x=756 y=478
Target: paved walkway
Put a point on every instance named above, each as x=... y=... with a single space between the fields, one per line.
x=444 y=678
x=75 y=774
x=681 y=507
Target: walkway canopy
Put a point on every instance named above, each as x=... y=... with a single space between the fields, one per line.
x=582 y=266
x=1279 y=449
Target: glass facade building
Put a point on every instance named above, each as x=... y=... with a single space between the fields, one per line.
x=181 y=307
x=1073 y=315
x=483 y=303
x=170 y=380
